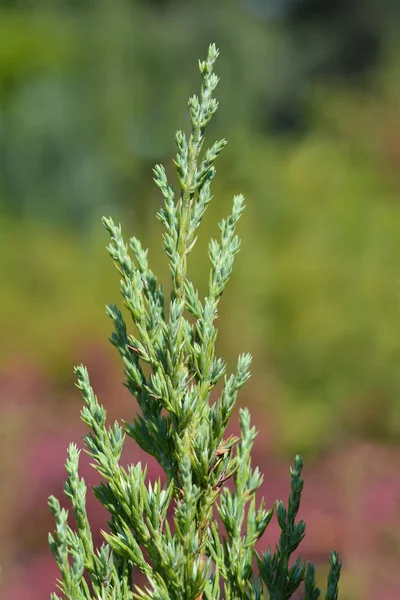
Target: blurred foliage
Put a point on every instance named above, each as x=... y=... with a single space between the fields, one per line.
x=87 y=97
x=87 y=106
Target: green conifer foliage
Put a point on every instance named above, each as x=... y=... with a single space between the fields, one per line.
x=193 y=555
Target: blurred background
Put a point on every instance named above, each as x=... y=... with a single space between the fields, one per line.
x=91 y=93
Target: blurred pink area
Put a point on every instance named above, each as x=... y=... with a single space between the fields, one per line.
x=351 y=498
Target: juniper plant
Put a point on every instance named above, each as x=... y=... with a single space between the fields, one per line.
x=191 y=555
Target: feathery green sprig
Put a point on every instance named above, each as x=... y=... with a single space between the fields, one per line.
x=190 y=555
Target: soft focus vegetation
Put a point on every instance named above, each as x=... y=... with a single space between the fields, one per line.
x=87 y=106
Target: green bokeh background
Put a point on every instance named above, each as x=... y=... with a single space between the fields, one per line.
x=91 y=94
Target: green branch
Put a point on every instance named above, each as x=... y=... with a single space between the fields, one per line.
x=169 y=532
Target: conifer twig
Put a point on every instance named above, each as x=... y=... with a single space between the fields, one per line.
x=190 y=556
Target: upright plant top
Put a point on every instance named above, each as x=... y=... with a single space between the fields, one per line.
x=169 y=532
